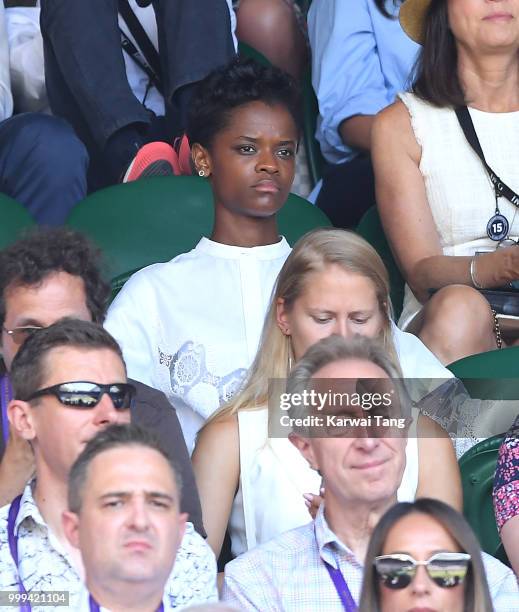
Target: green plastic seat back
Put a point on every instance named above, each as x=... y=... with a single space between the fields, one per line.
x=298 y=216
x=118 y=282
x=492 y=364
x=154 y=220
x=370 y=228
x=14 y=219
x=478 y=466
x=246 y=50
x=304 y=5
x=147 y=221
x=490 y=375
x=310 y=113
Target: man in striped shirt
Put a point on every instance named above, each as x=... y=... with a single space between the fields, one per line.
x=319 y=567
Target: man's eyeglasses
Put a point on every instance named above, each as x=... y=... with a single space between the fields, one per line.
x=446 y=569
x=20 y=334
x=84 y=395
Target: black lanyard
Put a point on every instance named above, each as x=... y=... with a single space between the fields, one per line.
x=147 y=58
x=497 y=226
x=140 y=60
x=500 y=187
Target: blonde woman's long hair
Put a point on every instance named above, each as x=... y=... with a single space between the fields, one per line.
x=314 y=252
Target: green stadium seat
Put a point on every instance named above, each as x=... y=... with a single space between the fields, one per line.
x=370 y=228
x=478 y=466
x=14 y=219
x=118 y=282
x=304 y=5
x=246 y=50
x=310 y=113
x=154 y=220
x=492 y=364
x=490 y=375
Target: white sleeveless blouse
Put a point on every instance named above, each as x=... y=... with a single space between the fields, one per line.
x=273 y=478
x=459 y=191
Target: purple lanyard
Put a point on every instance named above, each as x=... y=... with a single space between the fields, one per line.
x=6 y=395
x=341 y=587
x=94 y=606
x=14 y=508
x=13 y=547
x=339 y=583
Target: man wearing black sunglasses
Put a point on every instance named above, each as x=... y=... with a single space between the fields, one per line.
x=55 y=273
x=69 y=384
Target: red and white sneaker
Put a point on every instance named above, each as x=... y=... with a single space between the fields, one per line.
x=153 y=159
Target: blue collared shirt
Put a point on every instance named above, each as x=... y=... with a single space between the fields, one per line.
x=360 y=61
x=288 y=573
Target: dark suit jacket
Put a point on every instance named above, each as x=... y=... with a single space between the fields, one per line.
x=153 y=411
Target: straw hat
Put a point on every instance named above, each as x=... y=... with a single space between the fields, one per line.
x=412 y=17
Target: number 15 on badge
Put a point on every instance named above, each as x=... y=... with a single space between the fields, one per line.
x=497 y=227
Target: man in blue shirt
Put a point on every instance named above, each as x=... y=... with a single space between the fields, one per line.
x=361 y=59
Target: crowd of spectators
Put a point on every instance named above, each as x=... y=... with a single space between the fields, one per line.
x=155 y=452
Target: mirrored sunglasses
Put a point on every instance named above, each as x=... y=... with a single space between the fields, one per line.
x=85 y=395
x=445 y=569
x=20 y=334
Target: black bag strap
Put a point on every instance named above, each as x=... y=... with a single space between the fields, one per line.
x=467 y=125
x=140 y=60
x=149 y=59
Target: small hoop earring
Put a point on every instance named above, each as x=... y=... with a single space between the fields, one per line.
x=201 y=172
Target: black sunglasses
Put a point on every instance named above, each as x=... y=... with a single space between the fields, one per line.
x=446 y=569
x=84 y=394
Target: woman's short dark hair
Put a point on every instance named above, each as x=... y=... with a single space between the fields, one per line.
x=240 y=82
x=477 y=596
x=436 y=71
x=45 y=251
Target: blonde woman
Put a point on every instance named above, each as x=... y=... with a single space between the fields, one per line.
x=332 y=283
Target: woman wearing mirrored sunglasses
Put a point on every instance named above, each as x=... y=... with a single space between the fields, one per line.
x=424 y=556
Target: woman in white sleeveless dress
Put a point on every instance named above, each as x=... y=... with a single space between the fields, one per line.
x=333 y=282
x=436 y=199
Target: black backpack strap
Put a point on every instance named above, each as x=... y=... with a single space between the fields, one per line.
x=152 y=60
